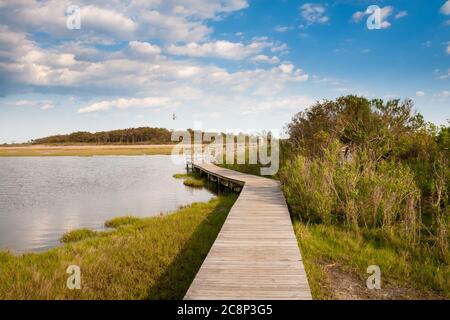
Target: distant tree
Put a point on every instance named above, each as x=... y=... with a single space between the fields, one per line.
x=143 y=135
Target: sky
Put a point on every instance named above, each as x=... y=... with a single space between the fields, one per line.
x=228 y=65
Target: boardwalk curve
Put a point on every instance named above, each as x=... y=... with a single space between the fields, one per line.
x=255 y=255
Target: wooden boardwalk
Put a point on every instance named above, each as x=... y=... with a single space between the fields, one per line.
x=255 y=255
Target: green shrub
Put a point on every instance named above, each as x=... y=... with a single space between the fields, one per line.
x=308 y=193
x=359 y=193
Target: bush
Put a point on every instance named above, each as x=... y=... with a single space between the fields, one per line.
x=358 y=193
x=307 y=189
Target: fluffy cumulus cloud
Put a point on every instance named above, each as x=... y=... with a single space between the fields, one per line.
x=197 y=84
x=142 y=54
x=314 y=13
x=144 y=48
x=220 y=49
x=148 y=102
x=27 y=63
x=171 y=20
x=261 y=58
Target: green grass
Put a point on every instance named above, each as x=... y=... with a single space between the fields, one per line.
x=400 y=265
x=194 y=183
x=181 y=175
x=121 y=221
x=149 y=258
x=190 y=179
x=77 y=235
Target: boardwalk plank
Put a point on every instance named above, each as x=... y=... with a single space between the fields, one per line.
x=255 y=255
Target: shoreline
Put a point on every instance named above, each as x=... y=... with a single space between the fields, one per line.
x=85 y=150
x=144 y=250
x=85 y=146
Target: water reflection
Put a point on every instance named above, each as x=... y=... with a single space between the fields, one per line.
x=43 y=197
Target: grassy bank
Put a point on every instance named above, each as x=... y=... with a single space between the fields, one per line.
x=336 y=260
x=190 y=179
x=100 y=150
x=150 y=258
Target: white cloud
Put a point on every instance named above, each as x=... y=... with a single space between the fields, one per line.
x=203 y=9
x=123 y=103
x=286 y=68
x=293 y=102
x=448 y=47
x=420 y=93
x=43 y=105
x=47 y=106
x=171 y=27
x=314 y=13
x=144 y=48
x=401 y=14
x=443 y=95
x=106 y=20
x=358 y=15
x=219 y=49
x=445 y=9
x=266 y=59
x=283 y=48
x=141 y=74
x=23 y=62
x=169 y=20
x=282 y=28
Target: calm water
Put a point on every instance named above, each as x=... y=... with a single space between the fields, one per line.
x=43 y=197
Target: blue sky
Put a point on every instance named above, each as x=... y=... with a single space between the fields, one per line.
x=231 y=65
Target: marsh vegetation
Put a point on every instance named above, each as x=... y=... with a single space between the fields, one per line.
x=141 y=258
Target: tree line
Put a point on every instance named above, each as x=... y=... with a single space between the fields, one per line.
x=142 y=135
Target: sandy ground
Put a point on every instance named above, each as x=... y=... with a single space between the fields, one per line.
x=87 y=147
x=344 y=285
x=85 y=150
